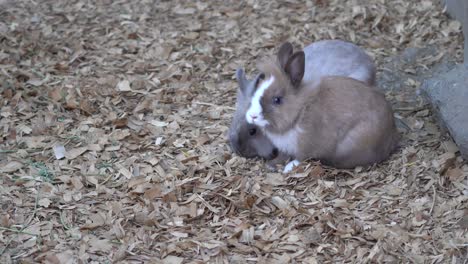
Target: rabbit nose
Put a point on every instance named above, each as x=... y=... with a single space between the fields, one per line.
x=253 y=116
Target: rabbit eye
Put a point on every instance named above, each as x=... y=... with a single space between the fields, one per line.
x=277 y=100
x=252 y=131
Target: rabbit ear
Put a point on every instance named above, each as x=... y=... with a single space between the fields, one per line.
x=243 y=82
x=294 y=68
x=284 y=53
x=258 y=78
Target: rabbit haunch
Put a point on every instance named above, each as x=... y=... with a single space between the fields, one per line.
x=341 y=121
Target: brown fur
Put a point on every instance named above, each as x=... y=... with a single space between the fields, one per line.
x=322 y=58
x=344 y=122
x=279 y=116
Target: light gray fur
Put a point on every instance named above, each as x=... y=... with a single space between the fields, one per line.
x=337 y=58
x=239 y=138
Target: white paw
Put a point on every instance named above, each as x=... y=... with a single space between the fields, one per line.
x=290 y=166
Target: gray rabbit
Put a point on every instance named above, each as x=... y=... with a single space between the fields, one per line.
x=322 y=58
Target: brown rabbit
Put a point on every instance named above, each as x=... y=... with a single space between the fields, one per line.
x=322 y=58
x=343 y=122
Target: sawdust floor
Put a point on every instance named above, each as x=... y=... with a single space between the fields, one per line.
x=113 y=120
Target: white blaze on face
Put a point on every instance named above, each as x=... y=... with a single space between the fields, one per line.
x=255 y=113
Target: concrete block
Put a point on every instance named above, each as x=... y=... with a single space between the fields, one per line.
x=448 y=94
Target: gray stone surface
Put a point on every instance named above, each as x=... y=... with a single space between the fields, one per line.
x=402 y=74
x=412 y=63
x=448 y=94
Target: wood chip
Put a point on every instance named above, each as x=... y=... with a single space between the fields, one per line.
x=74 y=153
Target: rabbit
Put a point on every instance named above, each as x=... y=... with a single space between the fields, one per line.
x=343 y=122
x=322 y=58
x=256 y=143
